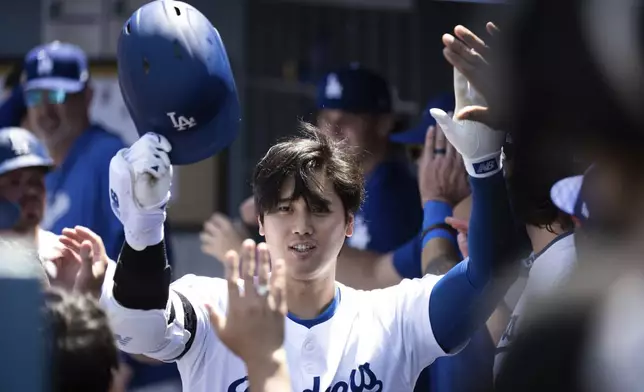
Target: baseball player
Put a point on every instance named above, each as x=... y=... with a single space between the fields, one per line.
x=337 y=338
x=24 y=162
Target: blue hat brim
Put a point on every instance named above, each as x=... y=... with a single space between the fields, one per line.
x=415 y=135
x=54 y=83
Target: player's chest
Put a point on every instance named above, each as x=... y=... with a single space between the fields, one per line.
x=350 y=369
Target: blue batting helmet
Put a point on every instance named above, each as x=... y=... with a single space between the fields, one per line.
x=176 y=80
x=19 y=149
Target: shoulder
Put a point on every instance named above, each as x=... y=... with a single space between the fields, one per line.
x=399 y=296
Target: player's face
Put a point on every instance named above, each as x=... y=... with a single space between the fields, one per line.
x=26 y=187
x=356 y=129
x=308 y=241
x=54 y=116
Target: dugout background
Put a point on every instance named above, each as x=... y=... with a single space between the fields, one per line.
x=278 y=49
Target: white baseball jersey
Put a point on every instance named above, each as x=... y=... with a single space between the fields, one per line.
x=550 y=268
x=375 y=341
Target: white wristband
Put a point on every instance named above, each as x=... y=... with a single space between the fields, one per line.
x=484 y=166
x=140 y=239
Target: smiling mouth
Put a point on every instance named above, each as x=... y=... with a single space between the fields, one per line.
x=302 y=248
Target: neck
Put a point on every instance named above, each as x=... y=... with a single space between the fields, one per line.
x=540 y=237
x=307 y=299
x=60 y=149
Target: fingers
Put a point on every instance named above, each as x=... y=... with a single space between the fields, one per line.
x=450 y=151
x=86 y=255
x=263 y=264
x=232 y=274
x=248 y=264
x=96 y=240
x=277 y=293
x=492 y=29
x=440 y=143
x=458 y=224
x=472 y=40
x=469 y=58
x=430 y=138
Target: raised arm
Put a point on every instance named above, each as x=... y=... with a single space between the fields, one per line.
x=466 y=296
x=146 y=316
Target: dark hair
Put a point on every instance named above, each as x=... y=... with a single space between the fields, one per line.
x=83 y=353
x=536 y=164
x=301 y=158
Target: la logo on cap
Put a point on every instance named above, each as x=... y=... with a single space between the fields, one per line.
x=333 y=88
x=45 y=65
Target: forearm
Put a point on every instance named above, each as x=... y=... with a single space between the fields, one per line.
x=439 y=256
x=142 y=278
x=269 y=375
x=366 y=270
x=466 y=296
x=440 y=250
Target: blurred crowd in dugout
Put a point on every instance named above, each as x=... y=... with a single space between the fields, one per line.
x=568 y=93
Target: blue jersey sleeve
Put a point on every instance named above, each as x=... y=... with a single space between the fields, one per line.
x=466 y=296
x=408 y=258
x=469 y=370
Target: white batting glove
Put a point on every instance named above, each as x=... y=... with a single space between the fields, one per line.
x=479 y=144
x=140 y=179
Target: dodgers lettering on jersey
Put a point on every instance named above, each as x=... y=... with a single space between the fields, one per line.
x=361 y=379
x=375 y=341
x=550 y=268
x=77 y=190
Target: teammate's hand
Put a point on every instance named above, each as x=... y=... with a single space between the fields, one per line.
x=89 y=251
x=479 y=144
x=441 y=173
x=253 y=327
x=248 y=212
x=62 y=266
x=463 y=228
x=140 y=179
x=219 y=235
x=472 y=56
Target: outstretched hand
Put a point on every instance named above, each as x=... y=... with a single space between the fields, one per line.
x=253 y=327
x=86 y=249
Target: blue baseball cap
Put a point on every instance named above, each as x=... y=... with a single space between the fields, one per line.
x=416 y=135
x=56 y=66
x=354 y=89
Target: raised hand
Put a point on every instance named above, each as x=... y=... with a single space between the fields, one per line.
x=479 y=144
x=85 y=250
x=219 y=235
x=441 y=173
x=253 y=327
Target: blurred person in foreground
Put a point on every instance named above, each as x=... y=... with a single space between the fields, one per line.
x=79 y=347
